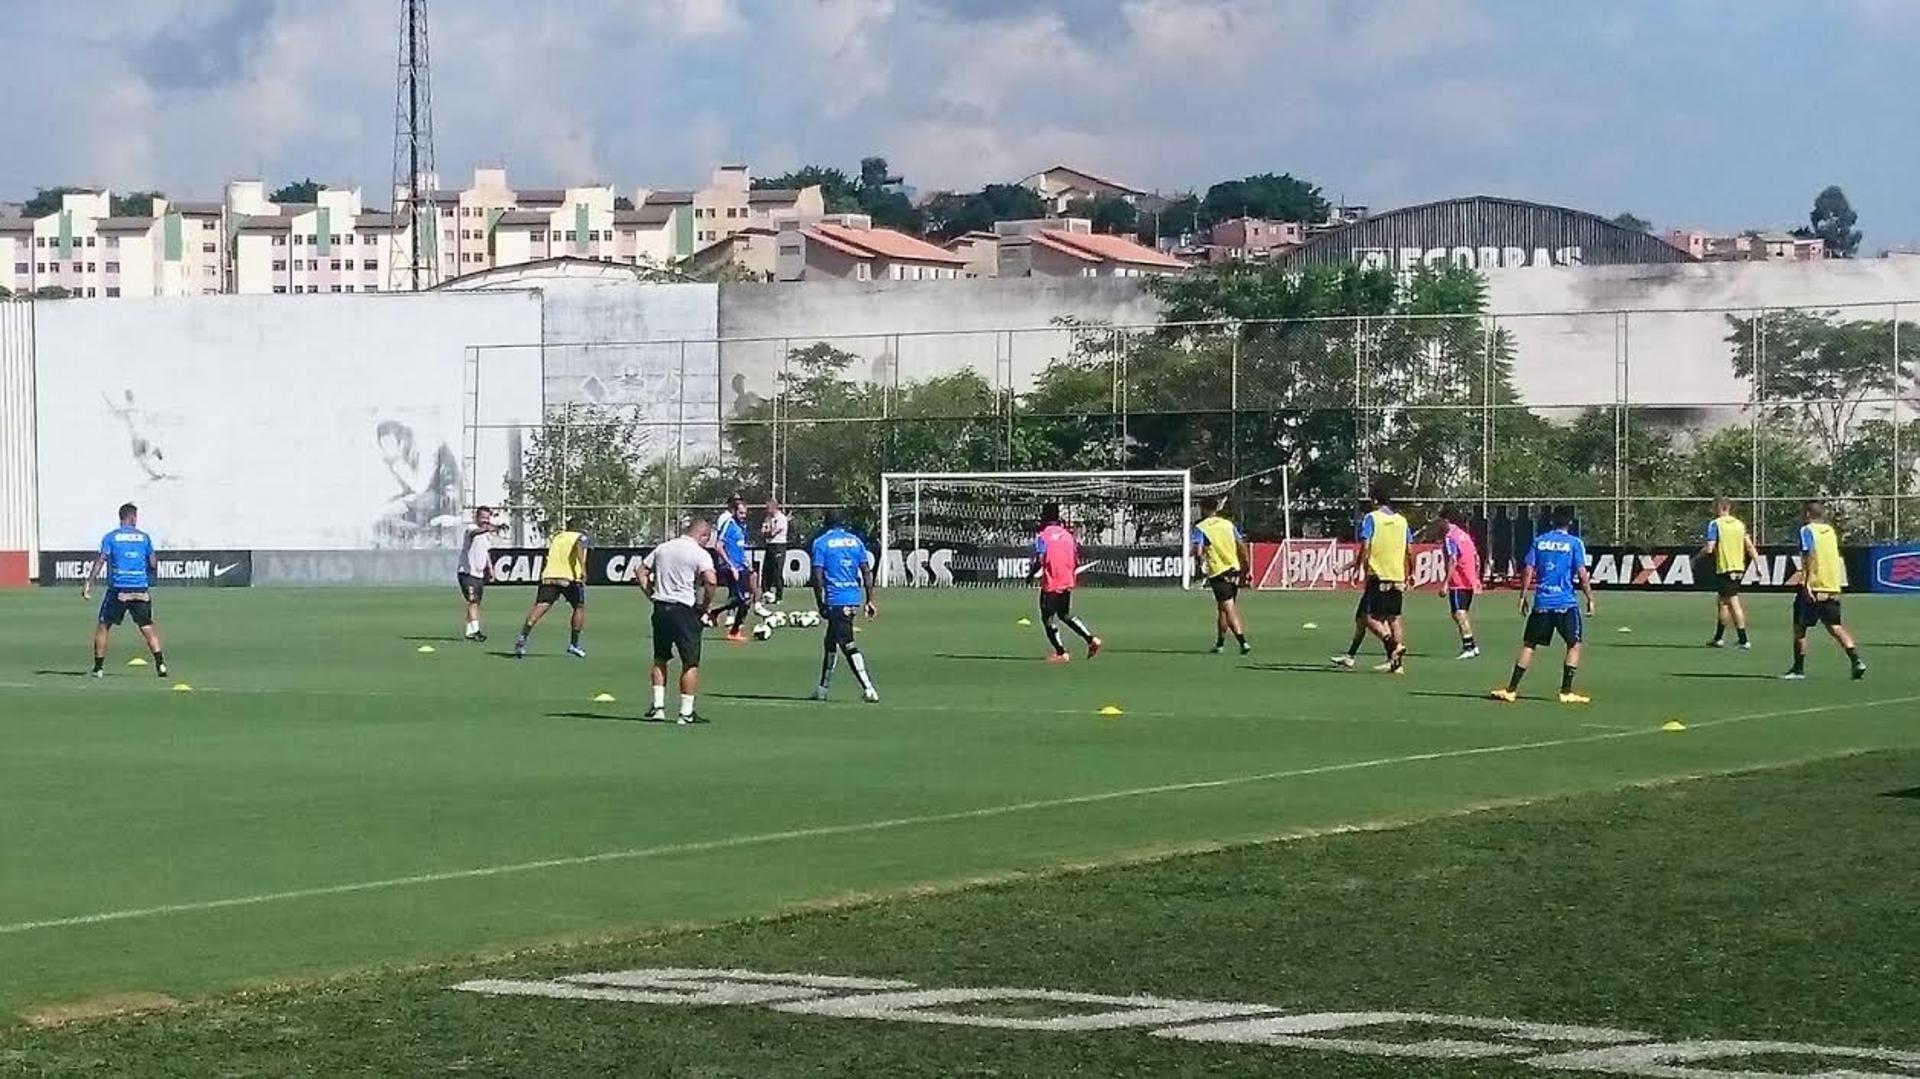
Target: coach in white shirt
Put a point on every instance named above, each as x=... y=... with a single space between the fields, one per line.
x=773 y=536
x=679 y=576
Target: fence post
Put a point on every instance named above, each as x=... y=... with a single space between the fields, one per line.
x=1757 y=344
x=679 y=443
x=1486 y=416
x=566 y=461
x=1361 y=456
x=1899 y=468
x=1233 y=401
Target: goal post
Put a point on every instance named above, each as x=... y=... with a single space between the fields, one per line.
x=978 y=527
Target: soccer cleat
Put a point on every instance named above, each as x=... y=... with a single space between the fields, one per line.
x=819 y=693
x=477 y=637
x=1342 y=661
x=1246 y=649
x=1059 y=657
x=1094 y=646
x=520 y=648
x=97 y=674
x=1217 y=649
x=1397 y=663
x=1507 y=695
x=1571 y=697
x=1746 y=646
x=1716 y=643
x=160 y=669
x=576 y=651
x=1859 y=671
x=1468 y=653
x=1794 y=676
x=655 y=715
x=691 y=720
x=734 y=636
x=871 y=696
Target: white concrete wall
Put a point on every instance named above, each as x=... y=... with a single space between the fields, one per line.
x=1674 y=335
x=19 y=510
x=274 y=422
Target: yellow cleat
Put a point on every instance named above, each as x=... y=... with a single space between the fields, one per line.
x=1507 y=695
x=1575 y=698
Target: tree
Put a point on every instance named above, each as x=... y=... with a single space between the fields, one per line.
x=948 y=215
x=1832 y=220
x=621 y=202
x=1178 y=218
x=1815 y=373
x=840 y=193
x=1275 y=198
x=305 y=191
x=881 y=198
x=51 y=292
x=135 y=203
x=47 y=201
x=1633 y=221
x=1108 y=213
x=586 y=461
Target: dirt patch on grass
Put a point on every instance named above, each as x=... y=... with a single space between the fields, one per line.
x=109 y=1006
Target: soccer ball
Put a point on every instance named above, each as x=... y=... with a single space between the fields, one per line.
x=763 y=632
x=806 y=619
x=776 y=620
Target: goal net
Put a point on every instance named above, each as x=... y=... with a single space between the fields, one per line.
x=977 y=528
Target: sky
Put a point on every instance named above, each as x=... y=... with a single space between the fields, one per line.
x=1721 y=114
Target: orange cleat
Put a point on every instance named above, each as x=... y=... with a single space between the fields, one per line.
x=1094 y=646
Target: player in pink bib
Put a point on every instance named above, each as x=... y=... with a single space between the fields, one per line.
x=1463 y=576
x=1056 y=564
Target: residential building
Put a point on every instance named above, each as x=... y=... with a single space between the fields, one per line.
x=1069 y=247
x=331 y=245
x=87 y=252
x=730 y=203
x=1252 y=239
x=1748 y=246
x=849 y=248
x=1061 y=186
x=751 y=252
x=981 y=250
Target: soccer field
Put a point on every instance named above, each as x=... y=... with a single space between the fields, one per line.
x=329 y=799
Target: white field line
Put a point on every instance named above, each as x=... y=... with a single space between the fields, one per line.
x=864 y=827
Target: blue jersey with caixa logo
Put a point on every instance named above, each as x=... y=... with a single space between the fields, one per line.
x=127 y=551
x=1556 y=558
x=839 y=556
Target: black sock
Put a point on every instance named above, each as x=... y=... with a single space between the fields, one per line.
x=99 y=663
x=1566 y=677
x=1219 y=638
x=573 y=637
x=1359 y=638
x=1080 y=629
x=1853 y=655
x=1239 y=636
x=1053 y=638
x=1513 y=684
x=1742 y=631
x=1799 y=662
x=1719 y=632
x=826 y=666
x=526 y=629
x=159 y=660
x=1392 y=644
x=1467 y=643
x=739 y=618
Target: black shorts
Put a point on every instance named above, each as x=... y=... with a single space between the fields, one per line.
x=550 y=592
x=1542 y=625
x=676 y=629
x=118 y=603
x=1459 y=599
x=773 y=568
x=1056 y=604
x=1226 y=587
x=1728 y=585
x=1822 y=609
x=1382 y=600
x=840 y=625
x=735 y=582
x=473 y=588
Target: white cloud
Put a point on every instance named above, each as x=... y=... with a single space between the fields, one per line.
x=706 y=18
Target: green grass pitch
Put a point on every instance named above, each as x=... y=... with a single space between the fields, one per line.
x=329 y=800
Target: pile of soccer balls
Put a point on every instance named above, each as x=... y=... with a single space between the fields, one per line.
x=771 y=620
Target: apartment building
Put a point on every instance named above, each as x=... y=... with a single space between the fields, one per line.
x=331 y=245
x=1061 y=186
x=1252 y=239
x=1068 y=247
x=83 y=250
x=1748 y=246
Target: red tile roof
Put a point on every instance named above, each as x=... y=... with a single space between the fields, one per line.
x=1099 y=247
x=881 y=243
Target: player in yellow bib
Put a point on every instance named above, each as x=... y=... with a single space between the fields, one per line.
x=1221 y=549
x=1822 y=576
x=562 y=576
x=1385 y=561
x=1731 y=549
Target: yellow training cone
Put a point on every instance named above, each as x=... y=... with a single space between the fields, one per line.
x=604 y=698
x=136 y=662
x=1673 y=725
x=1112 y=710
x=182 y=687
x=1624 y=629
x=425 y=649
x=1309 y=625
x=1023 y=622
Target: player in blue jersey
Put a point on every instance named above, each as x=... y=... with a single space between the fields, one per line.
x=734 y=569
x=843 y=587
x=126 y=558
x=1552 y=588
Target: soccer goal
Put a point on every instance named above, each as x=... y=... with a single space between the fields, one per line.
x=976 y=528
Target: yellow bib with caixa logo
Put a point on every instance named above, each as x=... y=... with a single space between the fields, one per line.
x=1387 y=553
x=560 y=567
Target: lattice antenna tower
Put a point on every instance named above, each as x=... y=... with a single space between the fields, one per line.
x=415 y=258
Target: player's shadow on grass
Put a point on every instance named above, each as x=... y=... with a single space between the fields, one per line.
x=989 y=659
x=1157 y=651
x=759 y=696
x=608 y=717
x=1298 y=668
x=1738 y=676
x=1651 y=644
x=1910 y=792
x=63 y=674
x=442 y=637
x=1453 y=696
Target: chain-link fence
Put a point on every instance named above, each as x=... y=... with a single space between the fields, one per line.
x=1637 y=420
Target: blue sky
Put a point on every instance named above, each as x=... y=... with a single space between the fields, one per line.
x=1717 y=113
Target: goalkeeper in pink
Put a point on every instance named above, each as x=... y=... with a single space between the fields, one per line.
x=1056 y=564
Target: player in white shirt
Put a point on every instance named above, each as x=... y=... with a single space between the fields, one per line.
x=774 y=530
x=679 y=576
x=476 y=567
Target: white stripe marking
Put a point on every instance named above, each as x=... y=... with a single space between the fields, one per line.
x=863 y=827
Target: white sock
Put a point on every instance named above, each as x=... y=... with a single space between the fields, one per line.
x=659 y=696
x=858 y=661
x=472 y=628
x=686 y=704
